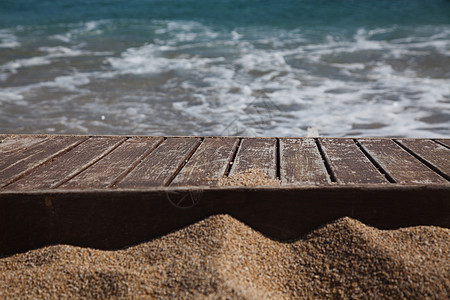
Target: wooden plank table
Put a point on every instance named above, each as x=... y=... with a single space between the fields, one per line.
x=112 y=191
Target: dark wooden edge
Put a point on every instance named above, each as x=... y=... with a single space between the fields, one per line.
x=155 y=189
x=113 y=219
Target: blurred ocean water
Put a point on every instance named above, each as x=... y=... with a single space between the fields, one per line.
x=236 y=67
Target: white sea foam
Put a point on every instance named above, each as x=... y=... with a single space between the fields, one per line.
x=53 y=53
x=21 y=95
x=271 y=91
x=81 y=29
x=193 y=79
x=146 y=60
x=7 y=95
x=8 y=39
x=12 y=67
x=61 y=51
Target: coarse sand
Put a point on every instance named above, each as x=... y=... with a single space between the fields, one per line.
x=250 y=177
x=222 y=258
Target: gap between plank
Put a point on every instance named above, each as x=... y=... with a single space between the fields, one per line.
x=325 y=161
x=136 y=163
x=422 y=160
x=374 y=162
x=233 y=158
x=51 y=158
x=87 y=166
x=184 y=163
x=442 y=144
x=278 y=159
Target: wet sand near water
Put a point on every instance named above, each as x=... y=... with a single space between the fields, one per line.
x=222 y=258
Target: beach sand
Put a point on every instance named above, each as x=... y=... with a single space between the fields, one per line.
x=222 y=258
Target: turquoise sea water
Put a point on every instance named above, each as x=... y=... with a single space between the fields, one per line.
x=260 y=68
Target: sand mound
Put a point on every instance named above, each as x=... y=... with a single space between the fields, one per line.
x=222 y=258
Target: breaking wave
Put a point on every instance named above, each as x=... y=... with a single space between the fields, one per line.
x=185 y=77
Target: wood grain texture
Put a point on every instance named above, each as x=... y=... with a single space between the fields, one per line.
x=258 y=153
x=35 y=162
x=20 y=163
x=209 y=162
x=63 y=168
x=113 y=219
x=444 y=141
x=301 y=162
x=433 y=153
x=19 y=143
x=160 y=167
x=348 y=163
x=115 y=165
x=399 y=164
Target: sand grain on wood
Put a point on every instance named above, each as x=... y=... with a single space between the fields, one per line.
x=222 y=258
x=250 y=177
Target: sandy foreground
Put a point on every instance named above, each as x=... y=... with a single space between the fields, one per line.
x=222 y=258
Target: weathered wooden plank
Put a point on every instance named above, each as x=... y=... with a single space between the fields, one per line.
x=209 y=162
x=159 y=168
x=68 y=165
x=301 y=163
x=115 y=165
x=399 y=164
x=18 y=164
x=258 y=154
x=444 y=141
x=433 y=153
x=113 y=219
x=348 y=163
x=19 y=143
